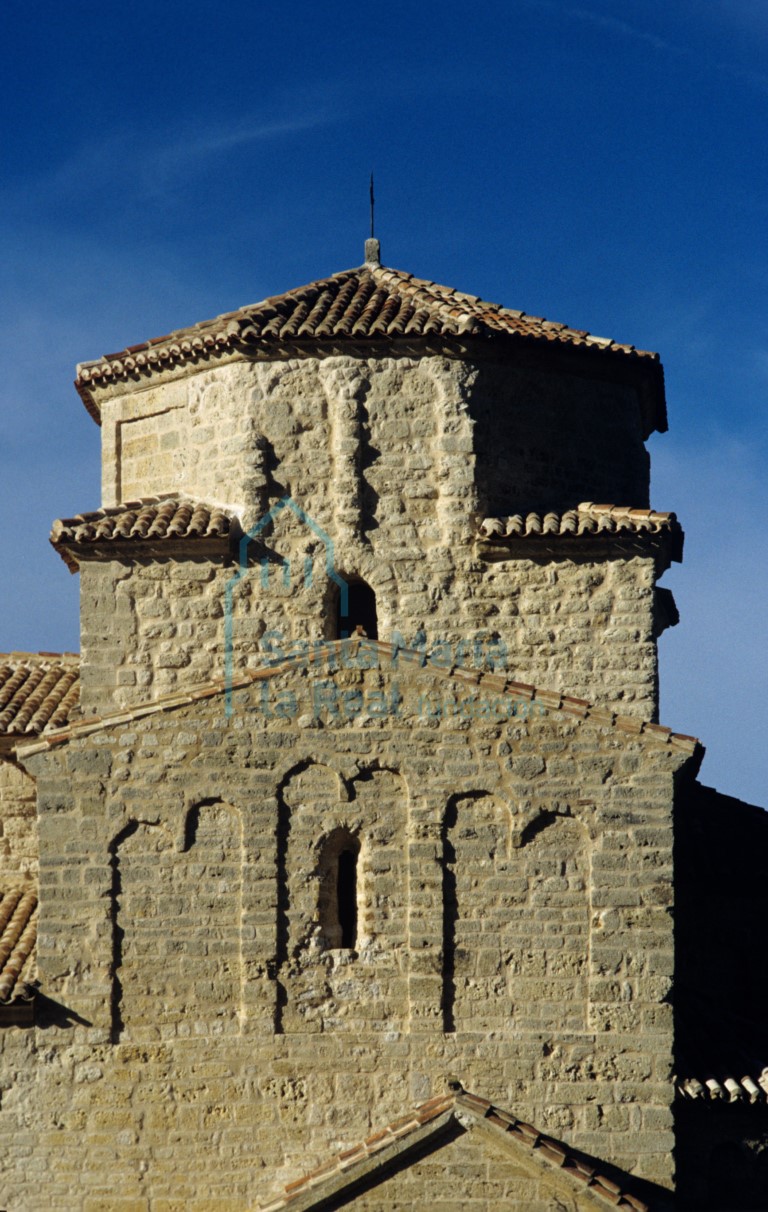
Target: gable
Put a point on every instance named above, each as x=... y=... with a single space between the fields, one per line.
x=464 y=826
x=459 y=1150
x=360 y=681
x=458 y=1168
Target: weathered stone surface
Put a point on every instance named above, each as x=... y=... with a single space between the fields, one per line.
x=18 y=821
x=483 y=944
x=394 y=459
x=271 y=923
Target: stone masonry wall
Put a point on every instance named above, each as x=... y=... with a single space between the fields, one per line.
x=582 y=627
x=475 y=1175
x=394 y=460
x=18 y=821
x=270 y=1049
x=512 y=438
x=546 y=440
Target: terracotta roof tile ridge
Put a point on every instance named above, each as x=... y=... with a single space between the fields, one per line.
x=378 y=1141
x=178 y=499
x=224 y=329
x=587 y=519
x=435 y=290
x=553 y=1151
x=226 y=320
x=549 y=700
x=431 y=297
x=499 y=317
x=735 y=1087
x=456 y=1105
x=41 y=656
x=335 y=309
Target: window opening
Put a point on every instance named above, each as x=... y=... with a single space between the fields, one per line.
x=346 y=897
x=337 y=894
x=361 y=610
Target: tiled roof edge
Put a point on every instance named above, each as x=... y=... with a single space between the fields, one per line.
x=18 y=935
x=587 y=523
x=604 y=518
x=452 y=315
x=168 y=520
x=311 y=1190
x=744 y=1089
x=550 y=700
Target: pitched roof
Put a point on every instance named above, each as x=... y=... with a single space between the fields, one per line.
x=150 y=521
x=38 y=690
x=329 y=652
x=18 y=935
x=354 y=307
x=373 y=1158
x=620 y=524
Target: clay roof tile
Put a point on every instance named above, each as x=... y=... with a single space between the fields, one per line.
x=552 y=1152
x=18 y=935
x=37 y=690
x=371 y=301
x=152 y=520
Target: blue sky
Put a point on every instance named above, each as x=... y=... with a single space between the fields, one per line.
x=598 y=163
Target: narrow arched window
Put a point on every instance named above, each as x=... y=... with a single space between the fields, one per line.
x=361 y=610
x=346 y=897
x=337 y=898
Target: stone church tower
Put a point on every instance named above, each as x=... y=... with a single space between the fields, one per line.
x=356 y=852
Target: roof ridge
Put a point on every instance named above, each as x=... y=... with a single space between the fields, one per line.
x=47 y=656
x=292 y=321
x=550 y=700
x=424 y=1120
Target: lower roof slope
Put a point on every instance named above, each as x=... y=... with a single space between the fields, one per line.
x=38 y=690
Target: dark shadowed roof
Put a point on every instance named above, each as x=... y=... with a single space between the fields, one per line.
x=721 y=922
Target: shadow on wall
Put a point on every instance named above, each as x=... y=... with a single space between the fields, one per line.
x=50 y=1013
x=720 y=995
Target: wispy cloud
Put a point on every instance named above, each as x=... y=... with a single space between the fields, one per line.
x=628 y=30
x=147 y=164
x=617 y=26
